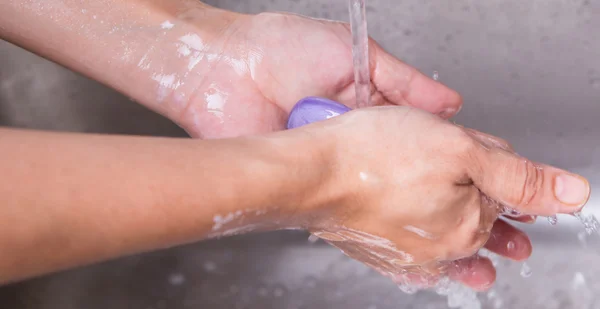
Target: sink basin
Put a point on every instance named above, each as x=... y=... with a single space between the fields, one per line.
x=529 y=72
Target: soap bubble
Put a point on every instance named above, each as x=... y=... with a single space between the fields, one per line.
x=526 y=271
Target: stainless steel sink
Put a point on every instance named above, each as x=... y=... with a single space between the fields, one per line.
x=529 y=72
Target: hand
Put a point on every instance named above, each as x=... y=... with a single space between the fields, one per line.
x=415 y=197
x=246 y=79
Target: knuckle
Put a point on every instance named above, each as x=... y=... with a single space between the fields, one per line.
x=462 y=143
x=529 y=180
x=474 y=232
x=503 y=144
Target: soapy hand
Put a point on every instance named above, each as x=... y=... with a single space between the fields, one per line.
x=247 y=78
x=416 y=197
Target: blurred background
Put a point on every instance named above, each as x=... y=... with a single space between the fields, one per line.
x=529 y=71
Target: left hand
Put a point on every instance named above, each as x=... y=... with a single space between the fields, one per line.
x=246 y=79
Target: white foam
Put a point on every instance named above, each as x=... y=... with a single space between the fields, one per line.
x=193 y=41
x=167 y=25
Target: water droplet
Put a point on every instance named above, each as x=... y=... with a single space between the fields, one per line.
x=161 y=304
x=210 y=266
x=443 y=287
x=436 y=75
x=458 y=295
x=498 y=303
x=310 y=282
x=408 y=289
x=553 y=220
x=582 y=237
x=278 y=292
x=494 y=299
x=510 y=212
x=526 y=271
x=176 y=279
x=263 y=292
x=590 y=222
x=510 y=246
x=578 y=281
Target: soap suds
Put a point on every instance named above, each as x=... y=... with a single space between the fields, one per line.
x=220 y=221
x=193 y=41
x=194 y=60
x=144 y=64
x=167 y=81
x=184 y=51
x=167 y=25
x=215 y=101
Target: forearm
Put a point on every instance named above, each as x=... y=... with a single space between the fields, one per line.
x=70 y=199
x=129 y=45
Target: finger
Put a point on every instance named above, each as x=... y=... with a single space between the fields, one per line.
x=509 y=242
x=527 y=187
x=476 y=272
x=404 y=85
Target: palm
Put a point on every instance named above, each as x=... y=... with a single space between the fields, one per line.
x=271 y=61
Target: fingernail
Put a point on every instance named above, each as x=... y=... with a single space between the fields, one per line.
x=571 y=190
x=448 y=112
x=522 y=248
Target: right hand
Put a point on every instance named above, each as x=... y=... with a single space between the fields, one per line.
x=413 y=195
x=245 y=76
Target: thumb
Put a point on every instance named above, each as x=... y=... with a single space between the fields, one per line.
x=526 y=186
x=401 y=84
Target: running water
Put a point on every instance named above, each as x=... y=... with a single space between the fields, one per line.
x=591 y=227
x=590 y=223
x=360 y=52
x=525 y=270
x=458 y=295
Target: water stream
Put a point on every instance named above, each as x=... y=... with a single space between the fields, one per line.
x=360 y=52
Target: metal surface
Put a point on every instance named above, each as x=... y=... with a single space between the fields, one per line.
x=529 y=72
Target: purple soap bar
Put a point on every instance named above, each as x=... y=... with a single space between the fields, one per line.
x=313 y=109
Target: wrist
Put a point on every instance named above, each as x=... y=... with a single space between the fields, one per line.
x=133 y=46
x=171 y=59
x=306 y=165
